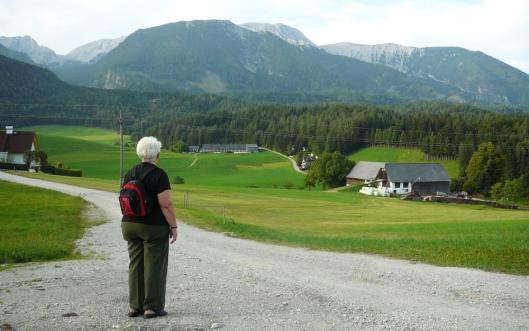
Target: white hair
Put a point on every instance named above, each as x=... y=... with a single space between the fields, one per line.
x=148 y=148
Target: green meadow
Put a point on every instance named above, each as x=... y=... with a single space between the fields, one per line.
x=403 y=155
x=243 y=196
x=96 y=153
x=42 y=227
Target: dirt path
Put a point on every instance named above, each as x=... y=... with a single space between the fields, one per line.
x=193 y=163
x=236 y=284
x=294 y=164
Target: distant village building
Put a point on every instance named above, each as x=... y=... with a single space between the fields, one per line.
x=193 y=149
x=307 y=161
x=364 y=172
x=229 y=148
x=13 y=144
x=423 y=178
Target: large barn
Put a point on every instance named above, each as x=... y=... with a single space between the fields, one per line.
x=423 y=178
x=233 y=148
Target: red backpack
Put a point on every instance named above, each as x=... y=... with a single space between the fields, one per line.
x=133 y=198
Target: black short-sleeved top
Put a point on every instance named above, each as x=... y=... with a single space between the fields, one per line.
x=155 y=182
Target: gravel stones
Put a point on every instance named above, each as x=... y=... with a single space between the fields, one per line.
x=234 y=284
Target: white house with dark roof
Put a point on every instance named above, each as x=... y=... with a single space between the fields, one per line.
x=364 y=172
x=13 y=144
x=423 y=178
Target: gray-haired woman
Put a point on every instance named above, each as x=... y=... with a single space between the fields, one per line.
x=148 y=236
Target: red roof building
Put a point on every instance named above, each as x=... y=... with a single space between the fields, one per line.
x=13 y=144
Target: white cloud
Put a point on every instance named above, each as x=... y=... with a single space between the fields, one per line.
x=495 y=27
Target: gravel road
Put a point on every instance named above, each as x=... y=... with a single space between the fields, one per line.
x=292 y=161
x=218 y=282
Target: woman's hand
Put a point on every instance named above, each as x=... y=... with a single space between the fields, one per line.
x=173 y=234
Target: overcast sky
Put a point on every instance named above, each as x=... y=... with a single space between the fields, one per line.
x=499 y=28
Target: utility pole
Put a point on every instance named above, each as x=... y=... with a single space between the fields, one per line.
x=120 y=148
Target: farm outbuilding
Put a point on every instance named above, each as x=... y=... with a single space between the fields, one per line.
x=233 y=148
x=423 y=178
x=364 y=172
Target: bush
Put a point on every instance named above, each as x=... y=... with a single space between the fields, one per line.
x=179 y=147
x=69 y=172
x=288 y=185
x=10 y=166
x=60 y=165
x=60 y=171
x=456 y=184
x=178 y=180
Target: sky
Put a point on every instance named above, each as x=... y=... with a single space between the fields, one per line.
x=499 y=28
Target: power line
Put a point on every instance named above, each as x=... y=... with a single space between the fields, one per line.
x=232 y=114
x=99 y=119
x=362 y=139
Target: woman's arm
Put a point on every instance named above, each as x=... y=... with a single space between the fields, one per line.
x=164 y=199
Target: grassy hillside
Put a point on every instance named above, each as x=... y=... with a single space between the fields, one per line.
x=393 y=154
x=223 y=184
x=37 y=229
x=448 y=235
x=96 y=153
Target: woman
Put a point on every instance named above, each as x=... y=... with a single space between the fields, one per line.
x=148 y=236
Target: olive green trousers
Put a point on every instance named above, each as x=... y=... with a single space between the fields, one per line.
x=148 y=247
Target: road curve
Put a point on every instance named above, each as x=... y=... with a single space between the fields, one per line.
x=233 y=284
x=294 y=164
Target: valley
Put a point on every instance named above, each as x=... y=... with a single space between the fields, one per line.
x=242 y=196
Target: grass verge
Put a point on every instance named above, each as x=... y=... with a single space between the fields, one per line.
x=38 y=224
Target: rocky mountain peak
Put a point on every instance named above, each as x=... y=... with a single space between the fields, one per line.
x=285 y=32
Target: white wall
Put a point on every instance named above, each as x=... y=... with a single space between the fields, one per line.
x=401 y=189
x=15 y=158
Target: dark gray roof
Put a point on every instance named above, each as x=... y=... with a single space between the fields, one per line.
x=416 y=172
x=366 y=170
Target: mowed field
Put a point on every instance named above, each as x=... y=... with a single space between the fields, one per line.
x=403 y=155
x=42 y=227
x=96 y=152
x=248 y=207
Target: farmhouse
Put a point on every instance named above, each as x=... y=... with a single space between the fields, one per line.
x=364 y=172
x=423 y=178
x=13 y=144
x=233 y=148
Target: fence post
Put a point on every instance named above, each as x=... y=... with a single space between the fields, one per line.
x=224 y=213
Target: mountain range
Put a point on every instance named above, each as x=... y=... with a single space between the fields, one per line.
x=263 y=59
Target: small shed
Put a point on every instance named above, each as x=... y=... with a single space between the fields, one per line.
x=364 y=172
x=423 y=178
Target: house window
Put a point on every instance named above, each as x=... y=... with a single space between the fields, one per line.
x=405 y=185
x=397 y=184
x=3 y=156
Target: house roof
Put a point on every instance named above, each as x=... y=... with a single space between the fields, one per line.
x=416 y=172
x=17 y=142
x=366 y=170
x=228 y=146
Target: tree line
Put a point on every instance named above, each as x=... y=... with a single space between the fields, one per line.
x=439 y=130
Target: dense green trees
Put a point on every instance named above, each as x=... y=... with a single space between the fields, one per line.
x=485 y=168
x=329 y=170
x=441 y=131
